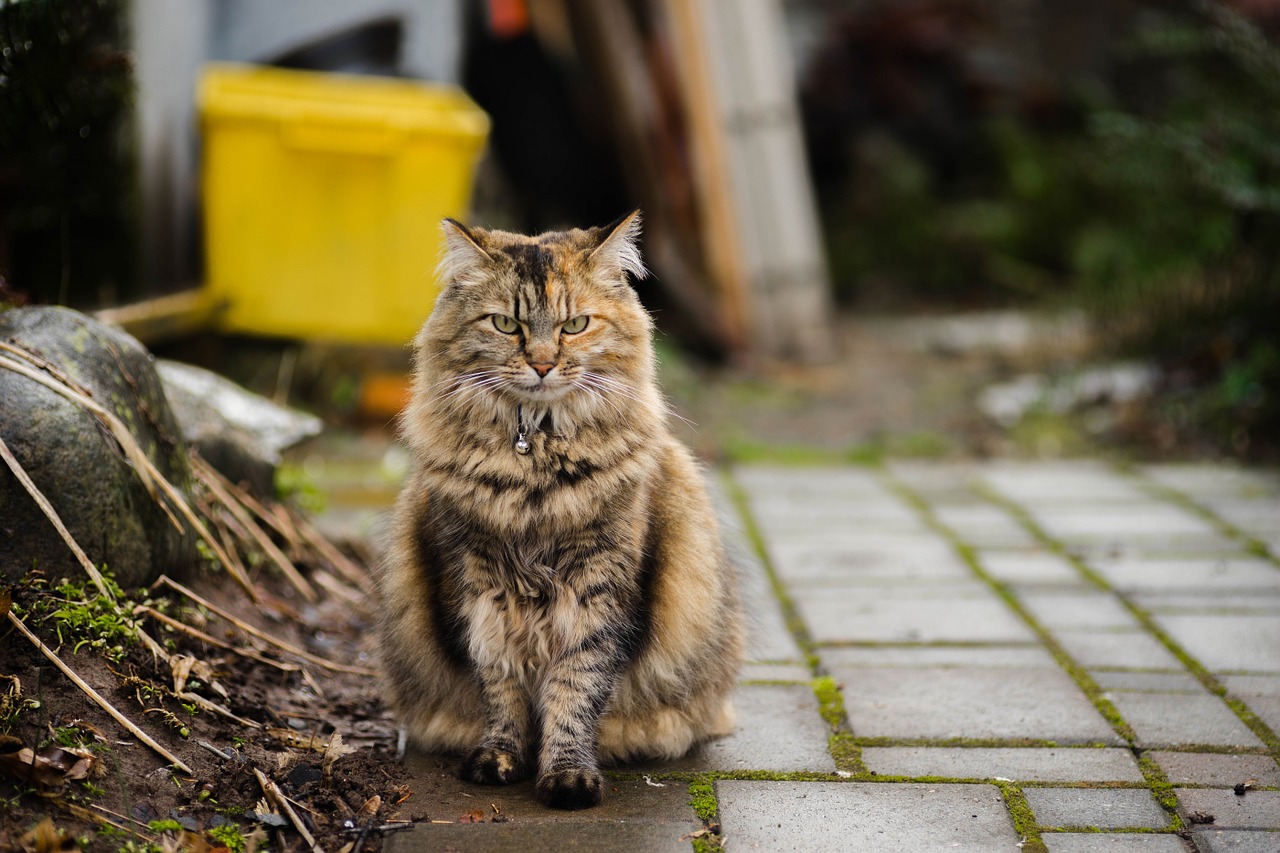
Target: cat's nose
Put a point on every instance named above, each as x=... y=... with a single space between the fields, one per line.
x=542 y=368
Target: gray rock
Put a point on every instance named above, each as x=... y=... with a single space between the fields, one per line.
x=236 y=431
x=77 y=464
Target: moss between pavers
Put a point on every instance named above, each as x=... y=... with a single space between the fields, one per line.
x=968 y=554
x=1250 y=543
x=1198 y=670
x=1024 y=820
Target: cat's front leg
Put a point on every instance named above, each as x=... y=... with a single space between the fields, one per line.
x=503 y=755
x=571 y=699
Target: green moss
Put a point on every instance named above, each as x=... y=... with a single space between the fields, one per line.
x=1024 y=820
x=702 y=796
x=229 y=836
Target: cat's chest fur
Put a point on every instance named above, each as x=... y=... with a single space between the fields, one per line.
x=521 y=621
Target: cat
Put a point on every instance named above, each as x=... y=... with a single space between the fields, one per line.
x=555 y=594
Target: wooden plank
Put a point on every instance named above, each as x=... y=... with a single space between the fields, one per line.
x=165 y=318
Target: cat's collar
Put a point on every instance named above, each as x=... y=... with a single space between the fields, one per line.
x=522 y=444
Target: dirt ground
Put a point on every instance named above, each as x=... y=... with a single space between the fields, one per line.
x=900 y=388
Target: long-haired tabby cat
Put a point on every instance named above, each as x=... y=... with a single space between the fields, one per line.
x=556 y=593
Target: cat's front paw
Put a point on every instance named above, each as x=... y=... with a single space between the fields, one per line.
x=487 y=765
x=571 y=788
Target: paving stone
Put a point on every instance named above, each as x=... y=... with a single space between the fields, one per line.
x=1239 y=642
x=1254 y=685
x=1109 y=808
x=810 y=484
x=1267 y=708
x=985 y=526
x=1021 y=765
x=1236 y=841
x=1264 y=603
x=867 y=559
x=752 y=671
x=1062 y=483
x=1175 y=719
x=1255 y=810
x=767 y=635
x=1112 y=842
x=1216 y=770
x=1135 y=649
x=1148 y=682
x=1213 y=574
x=1029 y=566
x=634 y=816
x=779 y=728
x=788 y=513
x=951 y=612
x=1259 y=517
x=1141 y=522
x=1077 y=609
x=943 y=657
x=1211 y=480
x=973 y=701
x=833 y=816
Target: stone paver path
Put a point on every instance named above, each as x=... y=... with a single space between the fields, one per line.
x=990 y=656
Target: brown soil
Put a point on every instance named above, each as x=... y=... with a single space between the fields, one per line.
x=132 y=786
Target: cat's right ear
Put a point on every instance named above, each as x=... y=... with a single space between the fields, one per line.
x=464 y=252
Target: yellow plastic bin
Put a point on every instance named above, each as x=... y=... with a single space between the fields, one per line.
x=323 y=195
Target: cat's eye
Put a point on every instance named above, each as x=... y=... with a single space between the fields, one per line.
x=505 y=324
x=577 y=324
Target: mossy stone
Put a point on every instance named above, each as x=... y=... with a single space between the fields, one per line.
x=77 y=464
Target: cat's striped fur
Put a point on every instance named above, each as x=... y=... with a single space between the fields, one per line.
x=547 y=611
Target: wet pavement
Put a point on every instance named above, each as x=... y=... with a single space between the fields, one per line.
x=1070 y=656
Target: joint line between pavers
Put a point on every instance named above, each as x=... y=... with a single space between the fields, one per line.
x=1176 y=496
x=1156 y=780
x=1198 y=670
x=846 y=754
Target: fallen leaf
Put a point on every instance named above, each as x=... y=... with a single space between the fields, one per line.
x=334 y=750
x=370 y=807
x=1202 y=817
x=473 y=816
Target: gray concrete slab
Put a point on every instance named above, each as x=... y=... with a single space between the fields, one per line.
x=1177 y=719
x=634 y=816
x=985 y=526
x=868 y=560
x=768 y=638
x=1112 y=842
x=1201 y=574
x=967 y=701
x=1130 y=648
x=1105 y=808
x=1074 y=609
x=1029 y=566
x=1267 y=708
x=792 y=672
x=1246 y=643
x=1211 y=480
x=1236 y=841
x=1148 y=682
x=1255 y=810
x=1065 y=483
x=1086 y=764
x=1141 y=521
x=779 y=729
x=1217 y=770
x=958 y=612
x=1252 y=685
x=832 y=816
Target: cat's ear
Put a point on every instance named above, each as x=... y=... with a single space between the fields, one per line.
x=464 y=251
x=617 y=251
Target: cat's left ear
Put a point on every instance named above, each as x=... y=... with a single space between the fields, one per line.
x=617 y=252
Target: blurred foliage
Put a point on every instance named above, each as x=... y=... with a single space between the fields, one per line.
x=1154 y=204
x=68 y=203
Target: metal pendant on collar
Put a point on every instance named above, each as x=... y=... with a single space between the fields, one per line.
x=522 y=444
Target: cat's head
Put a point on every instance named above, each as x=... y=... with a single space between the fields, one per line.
x=546 y=322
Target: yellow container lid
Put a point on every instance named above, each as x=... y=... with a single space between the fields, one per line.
x=287 y=96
